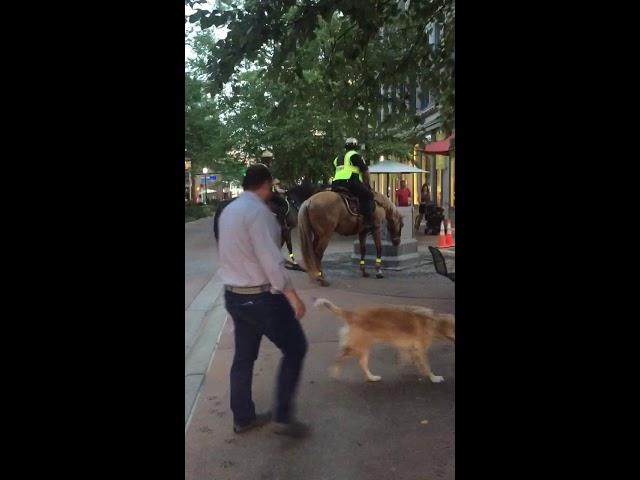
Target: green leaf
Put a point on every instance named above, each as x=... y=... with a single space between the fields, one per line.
x=197 y=16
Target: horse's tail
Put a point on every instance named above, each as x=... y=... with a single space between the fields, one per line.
x=306 y=240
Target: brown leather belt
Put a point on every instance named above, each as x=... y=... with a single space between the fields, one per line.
x=248 y=290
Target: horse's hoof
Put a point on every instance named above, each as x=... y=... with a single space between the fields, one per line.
x=379 y=275
x=322 y=282
x=366 y=275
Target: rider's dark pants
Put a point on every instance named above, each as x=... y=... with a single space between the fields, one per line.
x=364 y=194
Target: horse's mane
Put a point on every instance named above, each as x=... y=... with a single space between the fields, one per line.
x=301 y=192
x=384 y=202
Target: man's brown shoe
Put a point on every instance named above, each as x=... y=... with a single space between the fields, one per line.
x=293 y=429
x=260 y=420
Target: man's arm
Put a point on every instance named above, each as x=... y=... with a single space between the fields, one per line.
x=357 y=160
x=272 y=263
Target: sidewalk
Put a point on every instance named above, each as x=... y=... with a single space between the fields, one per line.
x=204 y=319
x=400 y=428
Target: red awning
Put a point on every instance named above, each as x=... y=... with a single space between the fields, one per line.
x=441 y=147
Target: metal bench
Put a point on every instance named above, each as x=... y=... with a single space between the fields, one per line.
x=440 y=264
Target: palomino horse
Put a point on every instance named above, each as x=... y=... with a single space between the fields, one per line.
x=325 y=213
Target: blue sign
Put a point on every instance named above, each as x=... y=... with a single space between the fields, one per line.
x=212 y=177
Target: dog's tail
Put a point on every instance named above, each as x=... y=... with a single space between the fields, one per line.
x=339 y=312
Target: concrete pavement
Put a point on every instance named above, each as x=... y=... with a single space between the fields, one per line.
x=400 y=428
x=200 y=257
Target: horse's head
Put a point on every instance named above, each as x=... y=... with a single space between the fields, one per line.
x=293 y=199
x=393 y=217
x=394 y=225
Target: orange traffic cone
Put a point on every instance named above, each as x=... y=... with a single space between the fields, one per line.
x=449 y=235
x=442 y=240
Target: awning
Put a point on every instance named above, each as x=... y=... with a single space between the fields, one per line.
x=389 y=166
x=441 y=147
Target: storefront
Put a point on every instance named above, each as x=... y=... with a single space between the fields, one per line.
x=434 y=166
x=387 y=174
x=443 y=155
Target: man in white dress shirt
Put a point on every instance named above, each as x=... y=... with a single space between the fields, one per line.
x=261 y=301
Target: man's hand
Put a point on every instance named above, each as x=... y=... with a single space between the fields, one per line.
x=298 y=306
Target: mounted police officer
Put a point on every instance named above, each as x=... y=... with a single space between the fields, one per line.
x=353 y=174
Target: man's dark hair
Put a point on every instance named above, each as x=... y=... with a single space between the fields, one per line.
x=255 y=176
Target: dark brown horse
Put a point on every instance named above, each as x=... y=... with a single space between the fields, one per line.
x=325 y=213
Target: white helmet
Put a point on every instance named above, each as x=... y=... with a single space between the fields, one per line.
x=351 y=143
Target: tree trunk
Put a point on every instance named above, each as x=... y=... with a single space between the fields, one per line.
x=194 y=188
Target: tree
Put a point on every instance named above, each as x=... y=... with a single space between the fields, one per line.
x=317 y=99
x=285 y=26
x=206 y=141
x=302 y=103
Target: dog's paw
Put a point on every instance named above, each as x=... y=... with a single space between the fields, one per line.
x=374 y=378
x=334 y=372
x=436 y=378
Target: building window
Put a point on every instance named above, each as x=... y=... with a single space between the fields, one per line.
x=424 y=98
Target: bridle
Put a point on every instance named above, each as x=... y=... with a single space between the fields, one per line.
x=394 y=237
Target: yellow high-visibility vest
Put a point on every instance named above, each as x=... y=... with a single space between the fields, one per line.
x=346 y=168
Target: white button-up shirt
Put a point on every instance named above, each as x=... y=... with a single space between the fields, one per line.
x=249 y=245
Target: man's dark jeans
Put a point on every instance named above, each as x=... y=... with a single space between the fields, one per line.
x=254 y=316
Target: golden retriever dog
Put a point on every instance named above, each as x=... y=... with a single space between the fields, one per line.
x=410 y=329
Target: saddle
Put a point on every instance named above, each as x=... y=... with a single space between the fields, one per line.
x=350 y=200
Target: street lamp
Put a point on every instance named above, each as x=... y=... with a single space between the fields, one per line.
x=205 y=170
